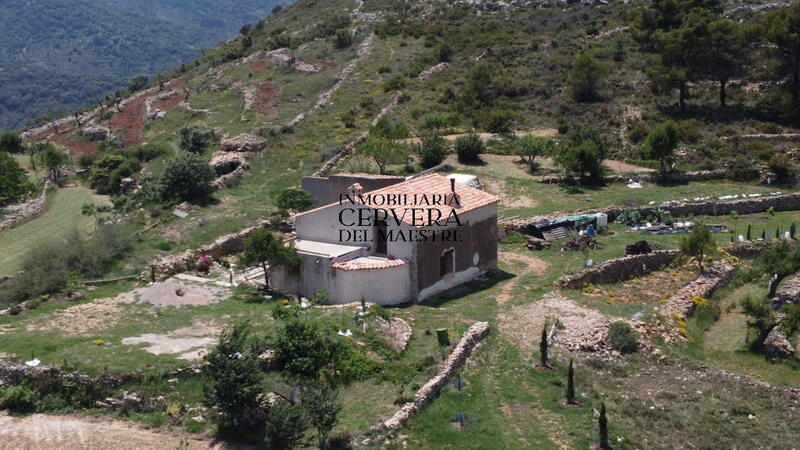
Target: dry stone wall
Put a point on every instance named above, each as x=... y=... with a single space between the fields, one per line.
x=750 y=205
x=222 y=246
x=22 y=211
x=704 y=286
x=627 y=267
x=618 y=269
x=457 y=358
x=677 y=177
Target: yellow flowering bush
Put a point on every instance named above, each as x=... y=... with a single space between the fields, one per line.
x=699 y=302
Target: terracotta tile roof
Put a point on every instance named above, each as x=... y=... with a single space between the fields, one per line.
x=469 y=198
x=367 y=263
x=430 y=186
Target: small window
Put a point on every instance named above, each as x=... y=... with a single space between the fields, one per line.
x=447 y=262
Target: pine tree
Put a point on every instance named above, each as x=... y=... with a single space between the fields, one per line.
x=603 y=422
x=749 y=227
x=543 y=346
x=570 y=384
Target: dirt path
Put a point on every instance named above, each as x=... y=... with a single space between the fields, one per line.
x=81 y=432
x=532 y=265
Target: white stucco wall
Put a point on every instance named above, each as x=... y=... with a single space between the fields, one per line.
x=389 y=286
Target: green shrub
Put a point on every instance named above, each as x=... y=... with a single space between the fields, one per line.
x=19 y=399
x=432 y=151
x=194 y=140
x=469 y=148
x=622 y=338
x=186 y=177
x=791 y=321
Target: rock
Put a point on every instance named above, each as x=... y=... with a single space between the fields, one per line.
x=396 y=331
x=641 y=247
x=581 y=242
x=535 y=243
x=776 y=344
x=131 y=402
x=127 y=185
x=243 y=143
x=98 y=133
x=226 y=162
x=281 y=57
x=268 y=360
x=198 y=419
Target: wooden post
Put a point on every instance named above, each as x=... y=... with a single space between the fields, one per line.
x=442 y=336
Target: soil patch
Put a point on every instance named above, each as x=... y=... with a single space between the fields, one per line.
x=259 y=66
x=73 y=432
x=325 y=64
x=583 y=328
x=170 y=103
x=191 y=342
x=129 y=121
x=267 y=99
x=173 y=292
x=82 y=319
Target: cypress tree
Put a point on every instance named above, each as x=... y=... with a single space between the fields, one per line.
x=763 y=234
x=570 y=384
x=777 y=233
x=603 y=422
x=543 y=346
x=792 y=230
x=748 y=232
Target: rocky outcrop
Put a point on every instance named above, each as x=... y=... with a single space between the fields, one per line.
x=243 y=143
x=227 y=162
x=230 y=179
x=683 y=303
x=396 y=331
x=98 y=133
x=426 y=393
x=787 y=293
x=777 y=345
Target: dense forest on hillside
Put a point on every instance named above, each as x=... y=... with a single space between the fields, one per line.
x=61 y=55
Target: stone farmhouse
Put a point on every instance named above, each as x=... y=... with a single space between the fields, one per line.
x=396 y=244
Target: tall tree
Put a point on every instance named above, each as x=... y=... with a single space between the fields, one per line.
x=322 y=408
x=661 y=143
x=697 y=244
x=570 y=384
x=724 y=52
x=782 y=30
x=14 y=183
x=586 y=76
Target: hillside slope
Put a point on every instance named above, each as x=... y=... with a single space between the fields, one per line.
x=63 y=54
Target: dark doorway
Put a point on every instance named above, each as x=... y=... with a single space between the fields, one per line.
x=380 y=238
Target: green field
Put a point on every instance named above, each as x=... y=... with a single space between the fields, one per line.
x=63 y=212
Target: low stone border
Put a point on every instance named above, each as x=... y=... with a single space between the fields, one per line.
x=468 y=342
x=222 y=246
x=22 y=211
x=681 y=304
x=627 y=267
x=749 y=205
x=618 y=269
x=676 y=177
